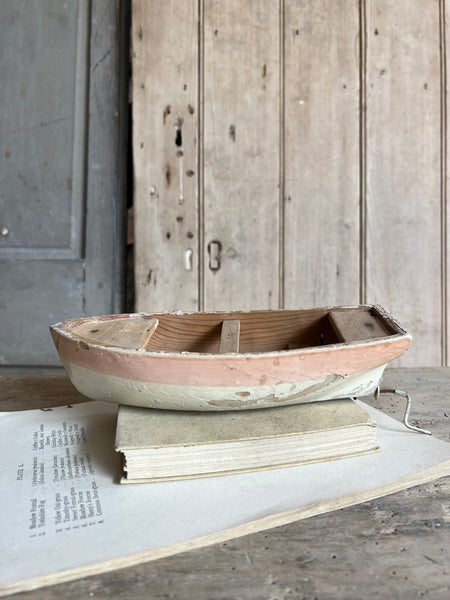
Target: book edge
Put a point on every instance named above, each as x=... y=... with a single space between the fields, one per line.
x=374 y=448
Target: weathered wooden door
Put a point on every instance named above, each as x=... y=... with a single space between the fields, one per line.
x=60 y=162
x=292 y=154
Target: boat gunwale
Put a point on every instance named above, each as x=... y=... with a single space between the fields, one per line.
x=399 y=332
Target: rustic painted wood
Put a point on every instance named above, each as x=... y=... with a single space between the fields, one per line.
x=60 y=197
x=192 y=360
x=41 y=201
x=107 y=157
x=338 y=104
x=321 y=211
x=32 y=297
x=42 y=112
x=241 y=135
x=403 y=172
x=396 y=546
x=445 y=170
x=165 y=149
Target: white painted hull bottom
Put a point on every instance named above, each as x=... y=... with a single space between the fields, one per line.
x=100 y=386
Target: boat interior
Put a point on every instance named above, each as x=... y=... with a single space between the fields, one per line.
x=232 y=332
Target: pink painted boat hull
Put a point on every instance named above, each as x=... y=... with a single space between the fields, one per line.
x=285 y=357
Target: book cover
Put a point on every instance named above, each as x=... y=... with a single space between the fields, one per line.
x=163 y=444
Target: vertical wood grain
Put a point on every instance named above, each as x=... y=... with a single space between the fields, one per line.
x=304 y=144
x=165 y=151
x=403 y=169
x=321 y=153
x=445 y=169
x=241 y=153
x=106 y=157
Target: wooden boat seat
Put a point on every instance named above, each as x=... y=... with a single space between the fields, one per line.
x=133 y=333
x=229 y=337
x=357 y=325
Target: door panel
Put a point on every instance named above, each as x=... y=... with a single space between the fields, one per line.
x=322 y=158
x=241 y=134
x=45 y=248
x=32 y=297
x=165 y=139
x=403 y=175
x=321 y=233
x=42 y=128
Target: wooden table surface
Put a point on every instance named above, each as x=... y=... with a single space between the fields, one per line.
x=394 y=547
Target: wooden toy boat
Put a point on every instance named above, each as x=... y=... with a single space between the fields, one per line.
x=227 y=361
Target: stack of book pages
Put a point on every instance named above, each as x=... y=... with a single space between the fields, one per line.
x=161 y=445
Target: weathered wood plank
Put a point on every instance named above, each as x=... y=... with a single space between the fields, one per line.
x=106 y=159
x=165 y=113
x=241 y=154
x=130 y=333
x=229 y=338
x=445 y=181
x=37 y=391
x=151 y=330
x=357 y=325
x=403 y=175
x=321 y=224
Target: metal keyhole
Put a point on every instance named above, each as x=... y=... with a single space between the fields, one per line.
x=214 y=250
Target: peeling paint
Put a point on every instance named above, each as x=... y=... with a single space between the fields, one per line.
x=180 y=178
x=166 y=112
